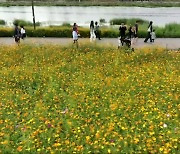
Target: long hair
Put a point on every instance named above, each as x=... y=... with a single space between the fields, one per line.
x=92 y=24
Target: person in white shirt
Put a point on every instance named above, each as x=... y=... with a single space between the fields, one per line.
x=23 y=32
x=92 y=33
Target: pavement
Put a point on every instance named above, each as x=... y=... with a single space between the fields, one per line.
x=168 y=43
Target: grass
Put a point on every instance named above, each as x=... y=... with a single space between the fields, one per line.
x=171 y=3
x=88 y=100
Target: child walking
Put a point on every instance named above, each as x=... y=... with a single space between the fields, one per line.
x=153 y=35
x=23 y=32
x=75 y=34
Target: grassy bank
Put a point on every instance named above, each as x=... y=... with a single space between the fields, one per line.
x=96 y=3
x=169 y=31
x=91 y=100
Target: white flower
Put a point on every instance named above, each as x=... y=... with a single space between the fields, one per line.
x=164 y=125
x=168 y=115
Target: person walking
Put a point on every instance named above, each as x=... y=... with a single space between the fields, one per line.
x=150 y=29
x=75 y=34
x=17 y=34
x=133 y=36
x=92 y=34
x=23 y=32
x=122 y=31
x=137 y=28
x=97 y=31
x=130 y=32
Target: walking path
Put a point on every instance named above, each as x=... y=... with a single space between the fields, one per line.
x=169 y=43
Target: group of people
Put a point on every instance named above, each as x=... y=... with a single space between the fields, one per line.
x=127 y=34
x=129 y=38
x=94 y=32
x=19 y=33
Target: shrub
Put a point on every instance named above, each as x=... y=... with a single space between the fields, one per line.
x=6 y=32
x=102 y=20
x=170 y=30
x=128 y=21
x=66 y=24
x=24 y=23
x=2 y=22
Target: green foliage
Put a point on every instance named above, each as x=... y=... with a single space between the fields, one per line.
x=170 y=30
x=66 y=24
x=6 y=32
x=102 y=20
x=24 y=23
x=131 y=21
x=2 y=22
x=162 y=3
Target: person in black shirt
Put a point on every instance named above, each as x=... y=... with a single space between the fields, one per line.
x=150 y=29
x=130 y=32
x=122 y=31
x=17 y=34
x=97 y=31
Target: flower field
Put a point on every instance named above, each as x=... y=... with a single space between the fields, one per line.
x=89 y=100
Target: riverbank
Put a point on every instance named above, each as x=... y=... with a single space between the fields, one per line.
x=169 y=31
x=95 y=3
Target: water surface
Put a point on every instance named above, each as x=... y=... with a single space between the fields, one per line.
x=55 y=15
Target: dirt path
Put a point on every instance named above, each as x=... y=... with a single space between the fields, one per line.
x=169 y=43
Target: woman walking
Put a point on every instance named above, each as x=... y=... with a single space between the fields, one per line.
x=75 y=34
x=133 y=36
x=150 y=29
x=92 y=34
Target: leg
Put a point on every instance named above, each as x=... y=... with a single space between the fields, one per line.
x=122 y=40
x=99 y=35
x=148 y=36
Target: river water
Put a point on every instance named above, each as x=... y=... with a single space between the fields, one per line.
x=56 y=15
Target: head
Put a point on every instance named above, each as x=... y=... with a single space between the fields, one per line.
x=96 y=23
x=122 y=24
x=92 y=24
x=151 y=23
x=22 y=26
x=153 y=30
x=74 y=24
x=133 y=28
